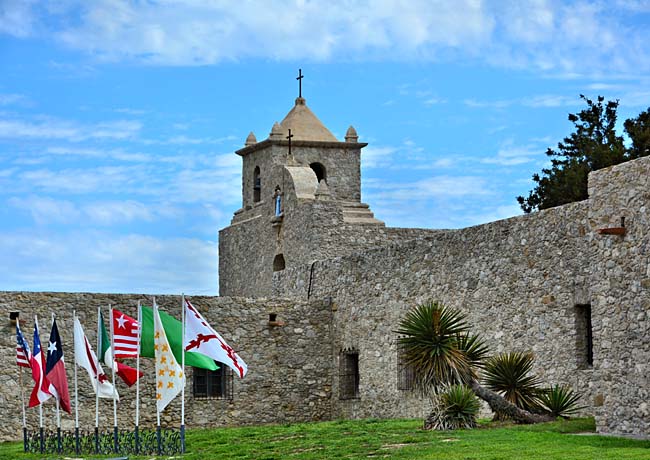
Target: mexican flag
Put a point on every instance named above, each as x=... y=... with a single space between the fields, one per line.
x=174 y=332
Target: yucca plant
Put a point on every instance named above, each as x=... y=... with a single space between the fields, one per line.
x=460 y=407
x=510 y=375
x=560 y=401
x=438 y=345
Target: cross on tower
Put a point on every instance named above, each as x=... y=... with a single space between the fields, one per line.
x=299 y=78
x=289 y=137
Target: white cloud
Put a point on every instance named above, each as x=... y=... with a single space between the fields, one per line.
x=116 y=154
x=510 y=154
x=547 y=35
x=107 y=213
x=435 y=187
x=17 y=17
x=102 y=262
x=537 y=101
x=68 y=130
x=46 y=210
x=377 y=156
x=9 y=99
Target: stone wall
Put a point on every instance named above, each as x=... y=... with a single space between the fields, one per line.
x=518 y=280
x=289 y=366
x=620 y=293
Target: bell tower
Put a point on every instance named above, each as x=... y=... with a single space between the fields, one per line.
x=301 y=187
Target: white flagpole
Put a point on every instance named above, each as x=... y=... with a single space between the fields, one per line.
x=137 y=382
x=113 y=366
x=40 y=403
x=99 y=342
x=183 y=373
x=22 y=393
x=76 y=392
x=158 y=438
x=20 y=379
x=58 y=410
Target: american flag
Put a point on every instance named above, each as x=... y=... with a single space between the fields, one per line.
x=23 y=355
x=125 y=335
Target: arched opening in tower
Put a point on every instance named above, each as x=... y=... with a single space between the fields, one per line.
x=257 y=185
x=319 y=170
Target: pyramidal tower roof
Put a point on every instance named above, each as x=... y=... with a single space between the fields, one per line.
x=304 y=125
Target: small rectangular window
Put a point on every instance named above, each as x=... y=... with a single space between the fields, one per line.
x=212 y=384
x=349 y=375
x=405 y=371
x=584 y=336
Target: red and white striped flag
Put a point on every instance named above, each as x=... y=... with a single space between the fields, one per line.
x=23 y=355
x=125 y=335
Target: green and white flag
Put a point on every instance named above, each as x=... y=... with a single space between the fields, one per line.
x=174 y=331
x=169 y=374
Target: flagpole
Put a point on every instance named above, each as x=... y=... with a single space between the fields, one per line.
x=183 y=373
x=113 y=365
x=40 y=403
x=58 y=410
x=99 y=342
x=22 y=393
x=137 y=384
x=76 y=393
x=155 y=312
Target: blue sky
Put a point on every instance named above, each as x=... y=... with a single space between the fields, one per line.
x=118 y=120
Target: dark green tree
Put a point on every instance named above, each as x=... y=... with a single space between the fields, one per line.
x=638 y=130
x=593 y=145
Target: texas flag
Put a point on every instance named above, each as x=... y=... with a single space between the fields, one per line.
x=41 y=392
x=199 y=337
x=55 y=368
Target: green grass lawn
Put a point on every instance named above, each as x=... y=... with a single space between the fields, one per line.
x=400 y=439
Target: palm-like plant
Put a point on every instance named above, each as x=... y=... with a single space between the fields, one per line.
x=510 y=374
x=560 y=401
x=439 y=346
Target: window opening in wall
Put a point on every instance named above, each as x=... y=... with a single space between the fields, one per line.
x=349 y=375
x=278 y=263
x=319 y=170
x=405 y=371
x=212 y=384
x=257 y=185
x=584 y=336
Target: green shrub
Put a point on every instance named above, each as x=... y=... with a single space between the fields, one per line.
x=560 y=401
x=459 y=407
x=509 y=374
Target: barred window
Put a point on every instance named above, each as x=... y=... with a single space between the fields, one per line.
x=349 y=375
x=405 y=371
x=212 y=384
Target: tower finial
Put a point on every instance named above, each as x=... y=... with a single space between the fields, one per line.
x=299 y=78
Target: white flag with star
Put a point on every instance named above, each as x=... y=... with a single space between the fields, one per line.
x=169 y=374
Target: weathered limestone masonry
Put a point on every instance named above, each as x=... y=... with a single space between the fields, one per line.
x=549 y=282
x=319 y=187
x=620 y=296
x=289 y=366
x=524 y=282
x=518 y=280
